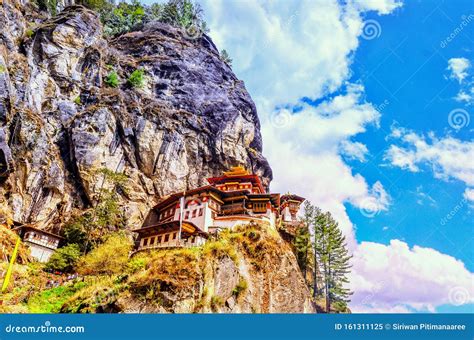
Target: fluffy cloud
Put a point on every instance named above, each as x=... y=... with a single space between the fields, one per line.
x=311 y=165
x=395 y=278
x=459 y=70
x=288 y=49
x=469 y=195
x=448 y=157
x=354 y=150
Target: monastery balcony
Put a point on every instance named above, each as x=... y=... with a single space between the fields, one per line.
x=170 y=244
x=41 y=242
x=232 y=209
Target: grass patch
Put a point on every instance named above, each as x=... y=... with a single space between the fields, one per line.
x=51 y=300
x=112 y=79
x=137 y=78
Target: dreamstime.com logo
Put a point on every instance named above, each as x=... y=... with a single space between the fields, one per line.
x=281 y=119
x=369 y=207
x=459 y=296
x=458 y=119
x=43 y=329
x=371 y=29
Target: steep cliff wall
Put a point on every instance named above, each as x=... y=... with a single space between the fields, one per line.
x=60 y=123
x=248 y=270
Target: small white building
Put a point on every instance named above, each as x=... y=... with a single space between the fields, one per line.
x=42 y=244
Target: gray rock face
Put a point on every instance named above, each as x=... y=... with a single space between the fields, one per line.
x=60 y=123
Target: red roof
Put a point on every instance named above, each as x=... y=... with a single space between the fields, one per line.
x=248 y=178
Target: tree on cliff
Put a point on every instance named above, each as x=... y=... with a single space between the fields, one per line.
x=331 y=257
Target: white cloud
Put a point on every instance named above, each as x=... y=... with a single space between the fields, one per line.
x=469 y=194
x=458 y=68
x=395 y=278
x=354 y=150
x=310 y=163
x=286 y=49
x=380 y=6
x=448 y=157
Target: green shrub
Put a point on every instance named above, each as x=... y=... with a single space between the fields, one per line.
x=216 y=302
x=64 y=259
x=123 y=18
x=29 y=33
x=112 y=79
x=136 y=264
x=225 y=57
x=48 y=5
x=108 y=258
x=126 y=17
x=96 y=4
x=77 y=100
x=240 y=287
x=137 y=78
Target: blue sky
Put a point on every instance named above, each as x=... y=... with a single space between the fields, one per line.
x=365 y=109
x=407 y=69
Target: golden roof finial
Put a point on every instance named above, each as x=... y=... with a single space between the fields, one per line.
x=236 y=171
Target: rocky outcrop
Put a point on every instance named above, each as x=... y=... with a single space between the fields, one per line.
x=60 y=123
x=248 y=270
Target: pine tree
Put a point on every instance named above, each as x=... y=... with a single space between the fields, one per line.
x=332 y=257
x=302 y=244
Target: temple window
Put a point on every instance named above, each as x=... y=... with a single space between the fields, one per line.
x=159 y=239
x=194 y=213
x=260 y=207
x=174 y=236
x=186 y=215
x=200 y=211
x=152 y=241
x=145 y=242
x=167 y=238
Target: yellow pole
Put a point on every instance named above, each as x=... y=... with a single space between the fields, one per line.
x=6 y=281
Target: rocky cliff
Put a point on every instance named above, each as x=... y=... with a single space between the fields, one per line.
x=60 y=124
x=248 y=270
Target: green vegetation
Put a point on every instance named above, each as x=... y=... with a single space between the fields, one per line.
x=216 y=302
x=126 y=17
x=29 y=33
x=183 y=13
x=111 y=257
x=2 y=69
x=77 y=100
x=302 y=245
x=225 y=57
x=51 y=300
x=331 y=256
x=64 y=259
x=137 y=78
x=48 y=5
x=240 y=287
x=89 y=228
x=112 y=79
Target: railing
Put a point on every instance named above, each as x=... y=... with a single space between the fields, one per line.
x=40 y=242
x=170 y=244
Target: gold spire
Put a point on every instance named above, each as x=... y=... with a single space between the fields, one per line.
x=236 y=171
